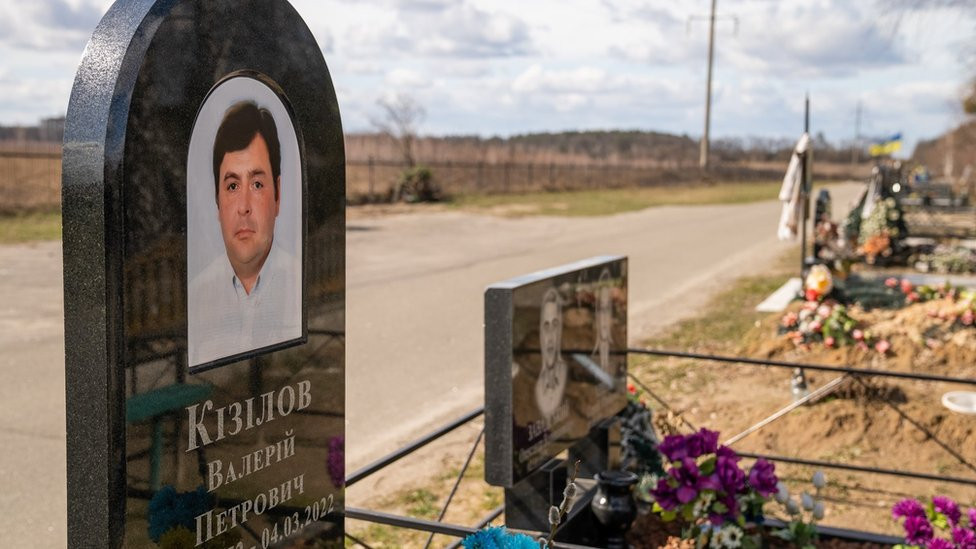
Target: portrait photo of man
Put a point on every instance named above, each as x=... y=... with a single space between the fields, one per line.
x=554 y=373
x=247 y=296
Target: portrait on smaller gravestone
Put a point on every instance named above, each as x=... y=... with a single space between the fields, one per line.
x=551 y=384
x=244 y=225
x=604 y=321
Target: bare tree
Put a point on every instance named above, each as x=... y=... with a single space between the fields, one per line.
x=402 y=115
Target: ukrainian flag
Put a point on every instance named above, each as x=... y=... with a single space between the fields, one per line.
x=886 y=146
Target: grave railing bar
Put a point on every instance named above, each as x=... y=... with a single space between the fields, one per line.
x=485 y=521
x=435 y=527
x=849 y=371
x=356 y=540
x=860 y=468
x=412 y=447
x=806 y=366
x=457 y=482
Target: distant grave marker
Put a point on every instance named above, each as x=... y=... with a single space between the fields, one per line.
x=203 y=187
x=555 y=362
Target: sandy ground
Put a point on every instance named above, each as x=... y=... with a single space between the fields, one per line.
x=414 y=326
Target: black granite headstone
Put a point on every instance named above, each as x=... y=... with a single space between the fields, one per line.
x=555 y=362
x=203 y=190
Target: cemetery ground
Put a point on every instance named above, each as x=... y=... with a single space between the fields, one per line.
x=415 y=287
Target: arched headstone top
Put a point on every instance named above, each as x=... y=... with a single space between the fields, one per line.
x=203 y=229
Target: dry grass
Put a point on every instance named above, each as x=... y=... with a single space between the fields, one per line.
x=30 y=227
x=611 y=201
x=30 y=184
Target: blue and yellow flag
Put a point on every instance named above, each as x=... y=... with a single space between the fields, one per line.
x=886 y=146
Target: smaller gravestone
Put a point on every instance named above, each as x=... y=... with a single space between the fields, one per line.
x=555 y=363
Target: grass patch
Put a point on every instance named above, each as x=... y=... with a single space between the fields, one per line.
x=425 y=499
x=30 y=227
x=611 y=201
x=422 y=503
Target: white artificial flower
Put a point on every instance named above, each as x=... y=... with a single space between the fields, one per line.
x=807 y=501
x=819 y=480
x=734 y=536
x=792 y=508
x=782 y=493
x=720 y=539
x=818 y=510
x=701 y=505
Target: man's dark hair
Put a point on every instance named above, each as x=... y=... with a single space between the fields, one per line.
x=241 y=123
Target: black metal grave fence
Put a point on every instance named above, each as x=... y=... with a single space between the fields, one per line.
x=858 y=375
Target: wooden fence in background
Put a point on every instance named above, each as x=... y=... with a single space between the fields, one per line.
x=31 y=179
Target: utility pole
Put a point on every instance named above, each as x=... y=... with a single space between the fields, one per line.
x=703 y=157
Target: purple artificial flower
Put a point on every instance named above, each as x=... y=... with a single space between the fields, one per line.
x=762 y=477
x=918 y=530
x=665 y=495
x=688 y=476
x=907 y=508
x=964 y=538
x=733 y=506
x=678 y=447
x=726 y=452
x=948 y=508
x=674 y=447
x=940 y=544
x=729 y=475
x=709 y=441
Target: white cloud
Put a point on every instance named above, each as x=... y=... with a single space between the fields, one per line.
x=511 y=66
x=448 y=29
x=406 y=78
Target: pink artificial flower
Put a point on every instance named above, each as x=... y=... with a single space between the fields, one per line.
x=824 y=310
x=858 y=335
x=810 y=306
x=882 y=346
x=829 y=342
x=811 y=295
x=912 y=297
x=967 y=317
x=891 y=282
x=815 y=326
x=906 y=285
x=789 y=319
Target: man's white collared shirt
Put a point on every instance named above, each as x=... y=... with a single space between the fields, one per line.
x=225 y=320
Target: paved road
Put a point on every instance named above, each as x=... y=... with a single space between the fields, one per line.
x=414 y=323
x=415 y=287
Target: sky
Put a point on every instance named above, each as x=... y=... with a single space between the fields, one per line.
x=504 y=67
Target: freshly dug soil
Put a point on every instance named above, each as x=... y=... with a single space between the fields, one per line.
x=875 y=422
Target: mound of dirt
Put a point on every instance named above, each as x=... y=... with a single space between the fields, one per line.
x=888 y=423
